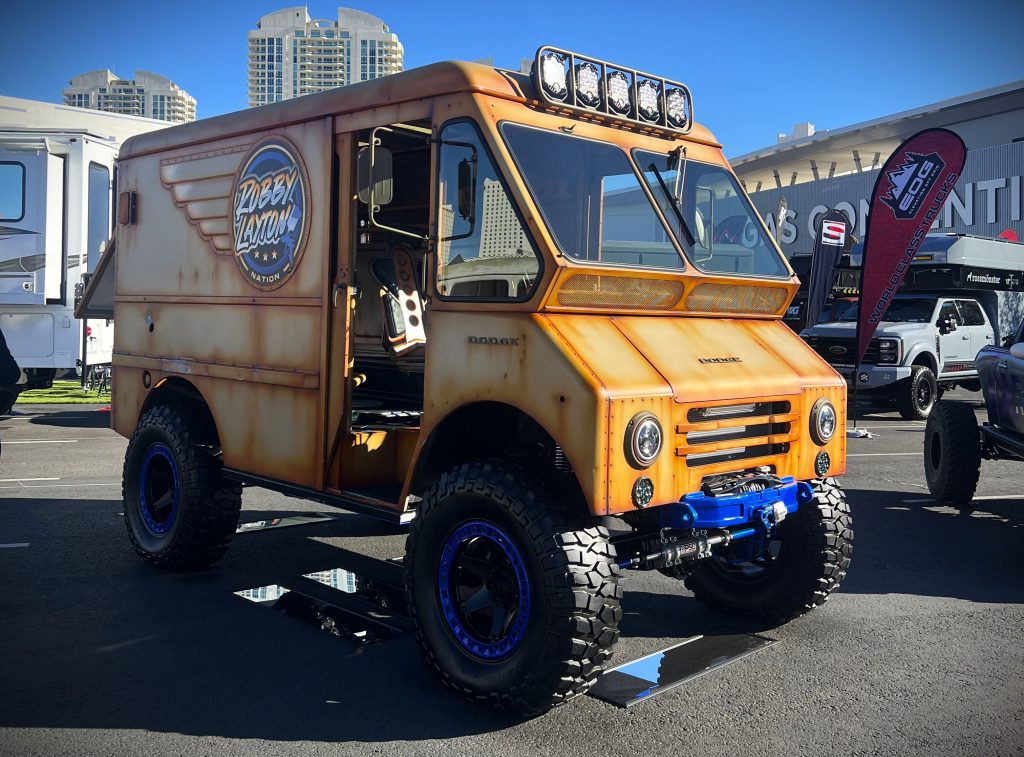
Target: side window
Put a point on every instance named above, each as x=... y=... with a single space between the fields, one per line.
x=971 y=312
x=12 y=191
x=99 y=213
x=483 y=251
x=948 y=310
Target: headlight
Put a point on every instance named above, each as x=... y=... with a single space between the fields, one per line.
x=617 y=86
x=889 y=351
x=643 y=440
x=823 y=421
x=588 y=85
x=648 y=97
x=675 y=107
x=552 y=75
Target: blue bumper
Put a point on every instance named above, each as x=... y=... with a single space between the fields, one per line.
x=755 y=509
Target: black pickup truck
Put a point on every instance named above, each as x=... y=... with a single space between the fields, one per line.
x=954 y=443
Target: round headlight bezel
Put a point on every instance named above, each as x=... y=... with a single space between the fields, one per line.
x=638 y=426
x=822 y=408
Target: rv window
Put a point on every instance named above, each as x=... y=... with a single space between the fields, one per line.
x=12 y=191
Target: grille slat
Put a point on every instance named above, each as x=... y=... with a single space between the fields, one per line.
x=722 y=433
x=828 y=347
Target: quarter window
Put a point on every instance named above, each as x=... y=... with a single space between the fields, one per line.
x=484 y=252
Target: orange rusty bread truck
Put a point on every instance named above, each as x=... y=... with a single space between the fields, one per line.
x=502 y=308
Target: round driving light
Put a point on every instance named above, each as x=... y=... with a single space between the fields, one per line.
x=648 y=96
x=821 y=464
x=552 y=75
x=643 y=492
x=643 y=440
x=588 y=85
x=823 y=421
x=675 y=108
x=617 y=86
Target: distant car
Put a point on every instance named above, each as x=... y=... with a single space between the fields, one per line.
x=954 y=444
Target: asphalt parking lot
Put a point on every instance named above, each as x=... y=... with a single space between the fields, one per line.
x=919 y=654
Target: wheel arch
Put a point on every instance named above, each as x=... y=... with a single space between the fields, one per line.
x=488 y=429
x=178 y=391
x=926 y=358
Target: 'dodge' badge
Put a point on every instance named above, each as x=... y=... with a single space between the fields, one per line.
x=269 y=213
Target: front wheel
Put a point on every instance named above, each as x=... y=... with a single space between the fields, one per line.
x=515 y=601
x=806 y=560
x=180 y=512
x=916 y=395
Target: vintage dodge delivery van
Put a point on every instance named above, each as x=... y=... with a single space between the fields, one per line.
x=500 y=308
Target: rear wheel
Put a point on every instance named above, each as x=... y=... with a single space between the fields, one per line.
x=180 y=512
x=952 y=453
x=805 y=562
x=515 y=601
x=916 y=395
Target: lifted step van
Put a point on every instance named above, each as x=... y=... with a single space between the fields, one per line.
x=496 y=307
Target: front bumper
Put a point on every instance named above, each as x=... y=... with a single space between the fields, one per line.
x=753 y=508
x=874 y=376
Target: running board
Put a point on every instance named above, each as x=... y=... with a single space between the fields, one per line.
x=360 y=505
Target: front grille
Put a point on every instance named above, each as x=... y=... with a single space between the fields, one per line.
x=829 y=348
x=717 y=434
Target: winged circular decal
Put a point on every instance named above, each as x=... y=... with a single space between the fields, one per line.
x=269 y=213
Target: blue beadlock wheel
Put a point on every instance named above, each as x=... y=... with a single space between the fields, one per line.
x=159 y=489
x=484 y=590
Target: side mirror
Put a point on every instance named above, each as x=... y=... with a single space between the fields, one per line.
x=375 y=181
x=467 y=188
x=1017 y=350
x=946 y=325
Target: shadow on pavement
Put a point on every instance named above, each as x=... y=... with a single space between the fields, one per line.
x=88 y=417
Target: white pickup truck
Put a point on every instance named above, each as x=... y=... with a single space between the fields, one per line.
x=962 y=294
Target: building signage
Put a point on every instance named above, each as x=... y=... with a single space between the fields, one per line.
x=988 y=199
x=270 y=213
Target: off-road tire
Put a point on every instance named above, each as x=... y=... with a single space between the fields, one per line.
x=207 y=512
x=917 y=394
x=816 y=545
x=952 y=453
x=575 y=606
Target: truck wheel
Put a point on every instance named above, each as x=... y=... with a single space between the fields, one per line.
x=952 y=453
x=180 y=513
x=916 y=395
x=806 y=561
x=515 y=602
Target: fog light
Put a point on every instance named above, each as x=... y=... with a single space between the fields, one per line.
x=643 y=491
x=821 y=464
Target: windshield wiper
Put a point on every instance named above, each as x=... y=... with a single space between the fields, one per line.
x=675 y=200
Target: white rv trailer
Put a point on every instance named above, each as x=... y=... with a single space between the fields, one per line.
x=56 y=177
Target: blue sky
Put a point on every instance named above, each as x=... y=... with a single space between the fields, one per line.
x=755 y=68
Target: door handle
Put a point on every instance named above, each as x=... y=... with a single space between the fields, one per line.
x=966 y=337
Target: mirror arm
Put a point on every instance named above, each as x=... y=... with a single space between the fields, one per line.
x=372 y=207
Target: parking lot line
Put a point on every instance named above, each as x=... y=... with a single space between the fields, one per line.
x=16 y=480
x=986 y=498
x=13 y=546
x=60 y=486
x=43 y=441
x=881 y=454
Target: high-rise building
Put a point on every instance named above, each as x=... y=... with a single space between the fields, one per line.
x=291 y=54
x=148 y=95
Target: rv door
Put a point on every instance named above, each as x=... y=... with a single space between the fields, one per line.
x=32 y=270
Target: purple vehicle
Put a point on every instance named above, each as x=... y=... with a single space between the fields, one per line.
x=954 y=443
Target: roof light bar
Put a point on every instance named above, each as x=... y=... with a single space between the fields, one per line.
x=589 y=85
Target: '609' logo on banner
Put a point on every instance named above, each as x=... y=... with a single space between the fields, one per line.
x=269 y=213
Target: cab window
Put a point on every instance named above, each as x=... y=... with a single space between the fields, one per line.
x=971 y=311
x=483 y=250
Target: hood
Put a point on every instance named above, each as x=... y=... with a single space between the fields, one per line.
x=837 y=329
x=697 y=359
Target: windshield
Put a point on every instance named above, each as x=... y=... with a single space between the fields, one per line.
x=591 y=199
x=915 y=310
x=717 y=226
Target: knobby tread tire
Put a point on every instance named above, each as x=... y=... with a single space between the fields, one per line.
x=952 y=453
x=210 y=506
x=579 y=586
x=817 y=543
x=906 y=393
